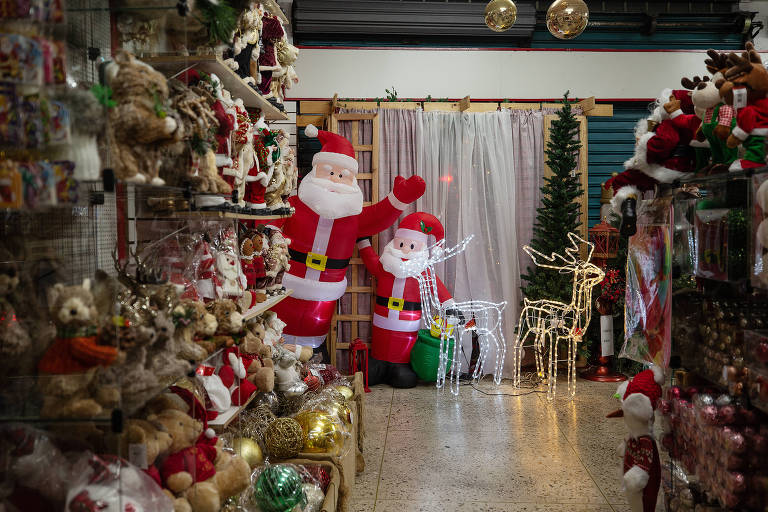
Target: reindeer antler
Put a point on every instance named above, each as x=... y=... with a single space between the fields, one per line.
x=568 y=265
x=744 y=64
x=696 y=83
x=717 y=61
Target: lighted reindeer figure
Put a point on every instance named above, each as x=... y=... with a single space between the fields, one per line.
x=458 y=319
x=551 y=321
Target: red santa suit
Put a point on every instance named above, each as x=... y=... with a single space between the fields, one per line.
x=263 y=167
x=397 y=314
x=662 y=155
x=321 y=245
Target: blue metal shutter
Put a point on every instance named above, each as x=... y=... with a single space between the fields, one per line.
x=611 y=142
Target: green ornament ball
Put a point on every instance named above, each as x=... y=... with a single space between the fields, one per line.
x=278 y=489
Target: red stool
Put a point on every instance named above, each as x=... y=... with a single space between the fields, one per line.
x=355 y=347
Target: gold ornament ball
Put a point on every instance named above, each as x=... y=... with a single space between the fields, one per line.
x=567 y=19
x=284 y=438
x=500 y=15
x=322 y=432
x=249 y=450
x=340 y=409
x=346 y=392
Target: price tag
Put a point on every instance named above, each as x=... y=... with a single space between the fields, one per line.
x=739 y=98
x=606 y=335
x=137 y=455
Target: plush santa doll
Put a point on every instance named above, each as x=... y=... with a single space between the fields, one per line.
x=329 y=219
x=663 y=154
x=397 y=315
x=206 y=282
x=266 y=152
x=641 y=466
x=271 y=32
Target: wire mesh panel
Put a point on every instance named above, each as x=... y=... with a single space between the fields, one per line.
x=88 y=38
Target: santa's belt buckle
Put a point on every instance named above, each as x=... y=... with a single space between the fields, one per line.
x=395 y=304
x=316 y=261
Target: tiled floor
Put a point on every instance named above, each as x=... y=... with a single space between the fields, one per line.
x=426 y=451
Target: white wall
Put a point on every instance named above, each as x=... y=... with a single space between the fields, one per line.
x=488 y=74
x=761 y=7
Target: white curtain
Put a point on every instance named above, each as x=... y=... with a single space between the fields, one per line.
x=483 y=174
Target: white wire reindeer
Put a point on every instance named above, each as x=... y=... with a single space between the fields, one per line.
x=485 y=318
x=554 y=321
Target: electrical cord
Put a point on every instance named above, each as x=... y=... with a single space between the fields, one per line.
x=529 y=380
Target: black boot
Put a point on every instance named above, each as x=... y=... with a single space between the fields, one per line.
x=377 y=371
x=629 y=217
x=401 y=375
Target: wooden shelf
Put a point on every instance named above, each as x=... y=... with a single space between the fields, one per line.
x=225 y=215
x=172 y=65
x=224 y=419
x=271 y=6
x=266 y=305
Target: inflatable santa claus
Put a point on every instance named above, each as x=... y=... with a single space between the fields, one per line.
x=663 y=154
x=329 y=218
x=397 y=315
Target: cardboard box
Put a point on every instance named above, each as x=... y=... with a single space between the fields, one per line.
x=331 y=501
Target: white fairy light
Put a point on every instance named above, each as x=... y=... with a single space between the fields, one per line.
x=482 y=317
x=555 y=321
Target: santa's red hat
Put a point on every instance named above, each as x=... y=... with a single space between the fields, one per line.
x=646 y=383
x=686 y=102
x=418 y=226
x=336 y=149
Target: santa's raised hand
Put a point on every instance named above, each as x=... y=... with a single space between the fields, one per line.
x=329 y=218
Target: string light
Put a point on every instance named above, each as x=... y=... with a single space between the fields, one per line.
x=482 y=317
x=555 y=321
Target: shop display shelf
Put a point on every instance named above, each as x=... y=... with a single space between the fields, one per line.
x=266 y=305
x=173 y=65
x=224 y=419
x=225 y=215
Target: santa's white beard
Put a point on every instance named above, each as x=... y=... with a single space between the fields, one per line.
x=392 y=261
x=328 y=199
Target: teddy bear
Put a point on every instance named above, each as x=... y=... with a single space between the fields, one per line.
x=142 y=442
x=258 y=358
x=139 y=125
x=163 y=355
x=230 y=324
x=745 y=86
x=68 y=368
x=193 y=324
x=252 y=264
x=199 y=473
x=14 y=337
x=641 y=463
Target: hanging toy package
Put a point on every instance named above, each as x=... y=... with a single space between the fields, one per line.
x=647 y=310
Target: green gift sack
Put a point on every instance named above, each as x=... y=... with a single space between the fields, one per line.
x=425 y=355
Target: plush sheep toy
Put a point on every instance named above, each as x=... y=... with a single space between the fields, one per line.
x=642 y=468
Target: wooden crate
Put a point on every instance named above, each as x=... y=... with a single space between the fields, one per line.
x=358 y=397
x=331 y=501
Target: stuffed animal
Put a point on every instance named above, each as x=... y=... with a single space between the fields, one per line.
x=252 y=263
x=143 y=442
x=230 y=323
x=277 y=261
x=234 y=375
x=86 y=125
x=258 y=356
x=68 y=368
x=198 y=471
x=745 y=86
x=641 y=464
x=288 y=372
x=138 y=126
x=274 y=336
x=717 y=118
x=193 y=324
x=14 y=337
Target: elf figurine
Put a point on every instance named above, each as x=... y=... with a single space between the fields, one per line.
x=641 y=466
x=745 y=86
x=397 y=315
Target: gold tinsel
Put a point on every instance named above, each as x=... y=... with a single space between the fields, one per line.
x=284 y=438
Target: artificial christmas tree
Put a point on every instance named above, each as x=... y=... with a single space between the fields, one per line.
x=559 y=213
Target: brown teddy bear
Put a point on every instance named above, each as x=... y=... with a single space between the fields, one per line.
x=139 y=125
x=142 y=443
x=68 y=368
x=193 y=324
x=230 y=323
x=216 y=474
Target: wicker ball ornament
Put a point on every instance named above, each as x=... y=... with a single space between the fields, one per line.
x=284 y=438
x=278 y=489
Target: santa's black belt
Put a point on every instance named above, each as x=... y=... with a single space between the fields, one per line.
x=397 y=304
x=683 y=151
x=318 y=261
